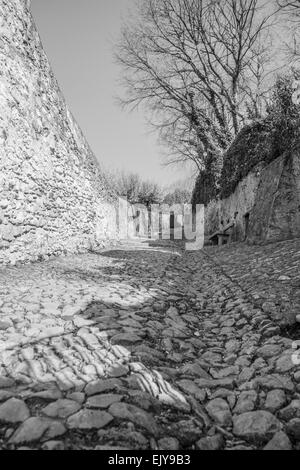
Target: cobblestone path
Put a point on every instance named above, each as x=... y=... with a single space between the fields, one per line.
x=151 y=348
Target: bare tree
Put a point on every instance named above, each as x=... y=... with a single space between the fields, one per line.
x=291 y=6
x=192 y=64
x=292 y=11
x=133 y=188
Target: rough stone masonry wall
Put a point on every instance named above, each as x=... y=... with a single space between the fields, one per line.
x=53 y=197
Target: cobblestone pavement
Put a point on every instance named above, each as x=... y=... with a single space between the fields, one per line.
x=151 y=348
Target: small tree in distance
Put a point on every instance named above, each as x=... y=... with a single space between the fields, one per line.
x=135 y=190
x=178 y=196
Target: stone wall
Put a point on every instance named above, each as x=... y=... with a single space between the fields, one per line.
x=265 y=206
x=276 y=213
x=53 y=195
x=220 y=214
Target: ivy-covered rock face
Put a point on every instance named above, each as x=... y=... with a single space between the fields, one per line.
x=252 y=146
x=207 y=187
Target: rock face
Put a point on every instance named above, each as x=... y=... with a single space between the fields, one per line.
x=264 y=207
x=53 y=196
x=276 y=215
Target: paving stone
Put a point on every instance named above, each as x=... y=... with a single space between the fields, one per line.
x=275 y=400
x=126 y=339
x=231 y=359
x=189 y=387
x=54 y=394
x=291 y=411
x=275 y=381
x=112 y=448
x=246 y=402
x=6 y=382
x=34 y=429
x=247 y=374
x=195 y=370
x=213 y=384
x=119 y=371
x=142 y=400
x=213 y=348
x=232 y=346
x=5 y=395
x=79 y=397
x=188 y=432
x=61 y=408
x=240 y=448
x=4 y=325
x=269 y=351
x=297 y=376
x=81 y=322
x=218 y=409
x=100 y=386
x=14 y=411
x=168 y=443
x=211 y=443
x=89 y=419
x=103 y=401
x=53 y=445
x=284 y=364
x=293 y=429
x=123 y=411
x=137 y=439
x=243 y=361
x=211 y=357
x=225 y=372
x=279 y=442
x=256 y=426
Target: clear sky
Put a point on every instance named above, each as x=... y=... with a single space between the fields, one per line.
x=78 y=37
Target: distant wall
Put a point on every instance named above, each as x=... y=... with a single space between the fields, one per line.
x=53 y=195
